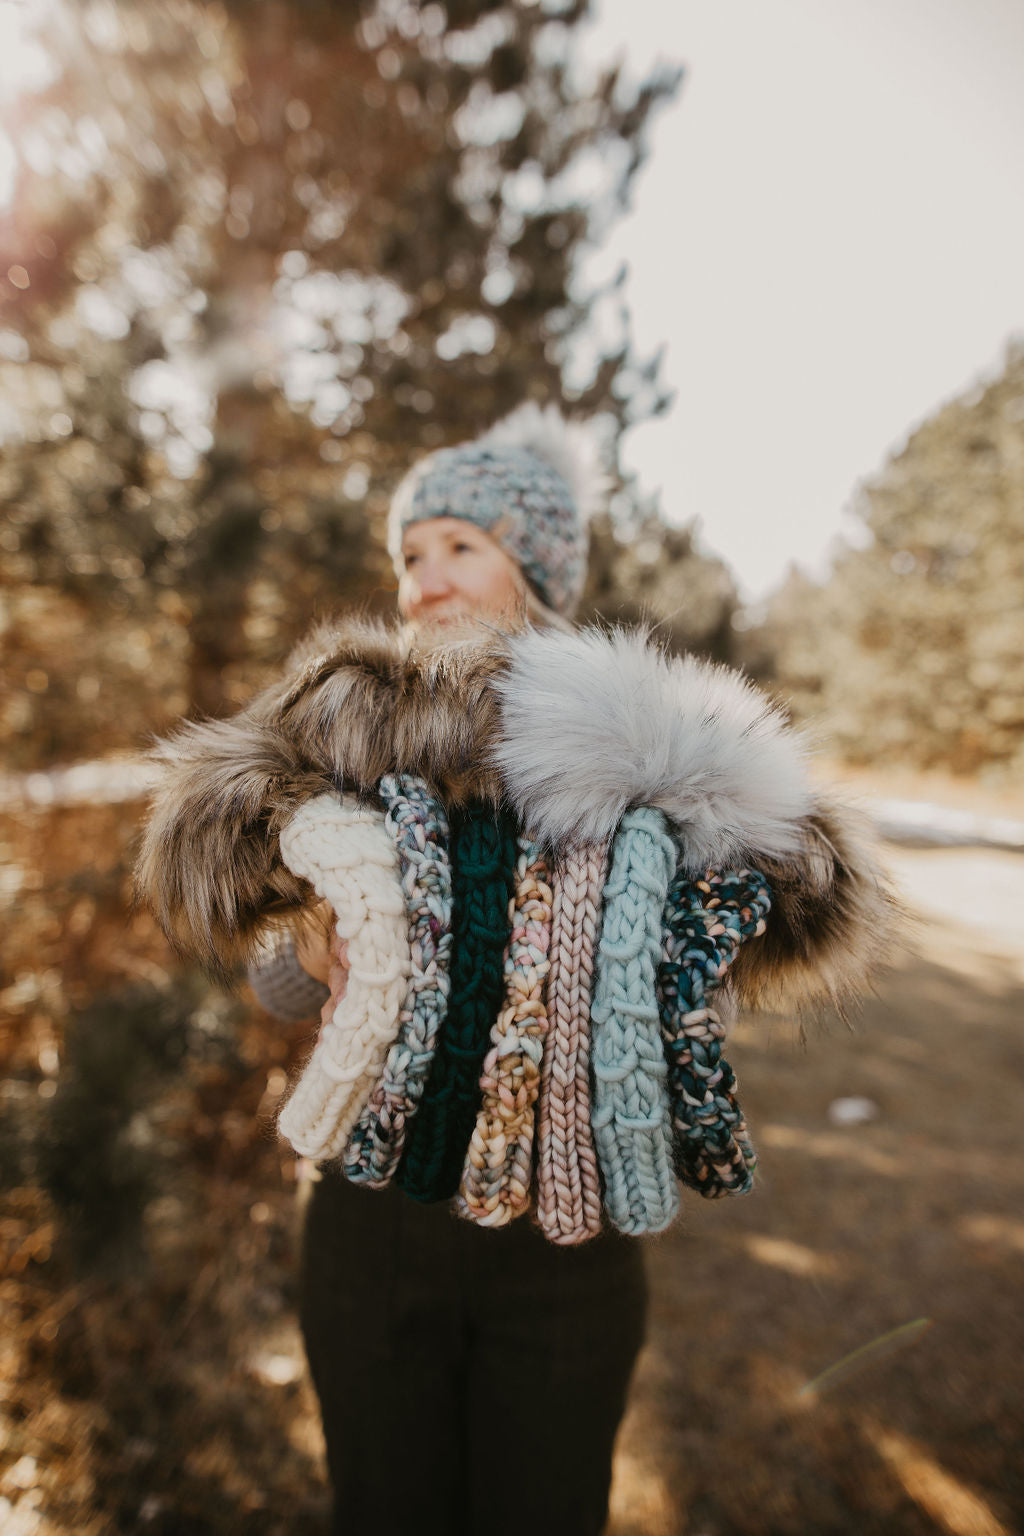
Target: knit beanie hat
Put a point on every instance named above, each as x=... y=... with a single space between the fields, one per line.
x=531 y=482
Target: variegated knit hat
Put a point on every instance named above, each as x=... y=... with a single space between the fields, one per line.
x=531 y=482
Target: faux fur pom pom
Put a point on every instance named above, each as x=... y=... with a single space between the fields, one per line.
x=594 y=723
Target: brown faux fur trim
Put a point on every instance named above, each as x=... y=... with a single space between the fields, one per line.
x=834 y=921
x=357 y=701
x=372 y=702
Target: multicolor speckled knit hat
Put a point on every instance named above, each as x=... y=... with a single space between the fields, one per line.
x=531 y=482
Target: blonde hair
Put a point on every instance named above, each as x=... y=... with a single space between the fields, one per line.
x=540 y=616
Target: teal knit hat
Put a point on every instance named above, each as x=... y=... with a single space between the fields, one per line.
x=531 y=482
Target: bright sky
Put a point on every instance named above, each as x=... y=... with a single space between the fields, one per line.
x=829 y=236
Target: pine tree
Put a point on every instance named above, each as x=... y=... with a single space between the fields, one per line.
x=265 y=254
x=913 y=652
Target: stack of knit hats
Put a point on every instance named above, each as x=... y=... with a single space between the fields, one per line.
x=551 y=857
x=443 y=1062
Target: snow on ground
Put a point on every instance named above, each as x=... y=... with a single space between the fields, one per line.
x=915 y=823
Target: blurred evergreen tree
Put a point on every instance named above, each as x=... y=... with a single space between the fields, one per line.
x=258 y=257
x=642 y=572
x=913 y=651
x=95 y=1156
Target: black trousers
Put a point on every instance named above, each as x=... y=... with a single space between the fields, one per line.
x=471 y=1382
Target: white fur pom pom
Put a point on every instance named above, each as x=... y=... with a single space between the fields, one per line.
x=594 y=723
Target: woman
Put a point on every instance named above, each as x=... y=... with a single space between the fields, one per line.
x=470 y=1380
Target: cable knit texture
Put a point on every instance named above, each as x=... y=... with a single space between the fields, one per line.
x=568 y=1184
x=342 y=848
x=631 y=1120
x=417 y=822
x=496 y=1176
x=705 y=923
x=483 y=854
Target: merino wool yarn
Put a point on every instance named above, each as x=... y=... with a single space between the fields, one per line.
x=418 y=823
x=631 y=1121
x=705 y=923
x=342 y=848
x=568 y=1185
x=483 y=857
x=498 y=1168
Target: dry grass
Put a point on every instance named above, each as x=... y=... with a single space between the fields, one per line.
x=851 y=1233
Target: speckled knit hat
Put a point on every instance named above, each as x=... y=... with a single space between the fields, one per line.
x=531 y=482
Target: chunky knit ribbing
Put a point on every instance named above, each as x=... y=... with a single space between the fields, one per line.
x=342 y=848
x=417 y=822
x=568 y=1184
x=705 y=923
x=631 y=1120
x=496 y=1176
x=483 y=854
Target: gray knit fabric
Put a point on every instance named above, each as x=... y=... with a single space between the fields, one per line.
x=531 y=482
x=523 y=503
x=281 y=986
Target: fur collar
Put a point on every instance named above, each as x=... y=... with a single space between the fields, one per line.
x=570 y=729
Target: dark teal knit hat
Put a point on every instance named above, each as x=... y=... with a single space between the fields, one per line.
x=531 y=482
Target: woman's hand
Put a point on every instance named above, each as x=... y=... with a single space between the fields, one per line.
x=336 y=977
x=313 y=942
x=322 y=953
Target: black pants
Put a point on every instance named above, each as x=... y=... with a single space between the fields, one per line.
x=471 y=1382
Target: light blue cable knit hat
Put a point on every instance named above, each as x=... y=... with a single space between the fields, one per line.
x=532 y=482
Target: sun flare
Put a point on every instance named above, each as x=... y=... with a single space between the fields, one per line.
x=24 y=66
x=24 y=63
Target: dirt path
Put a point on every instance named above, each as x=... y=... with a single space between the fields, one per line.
x=913 y=1222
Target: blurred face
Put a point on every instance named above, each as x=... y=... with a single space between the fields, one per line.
x=453 y=570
